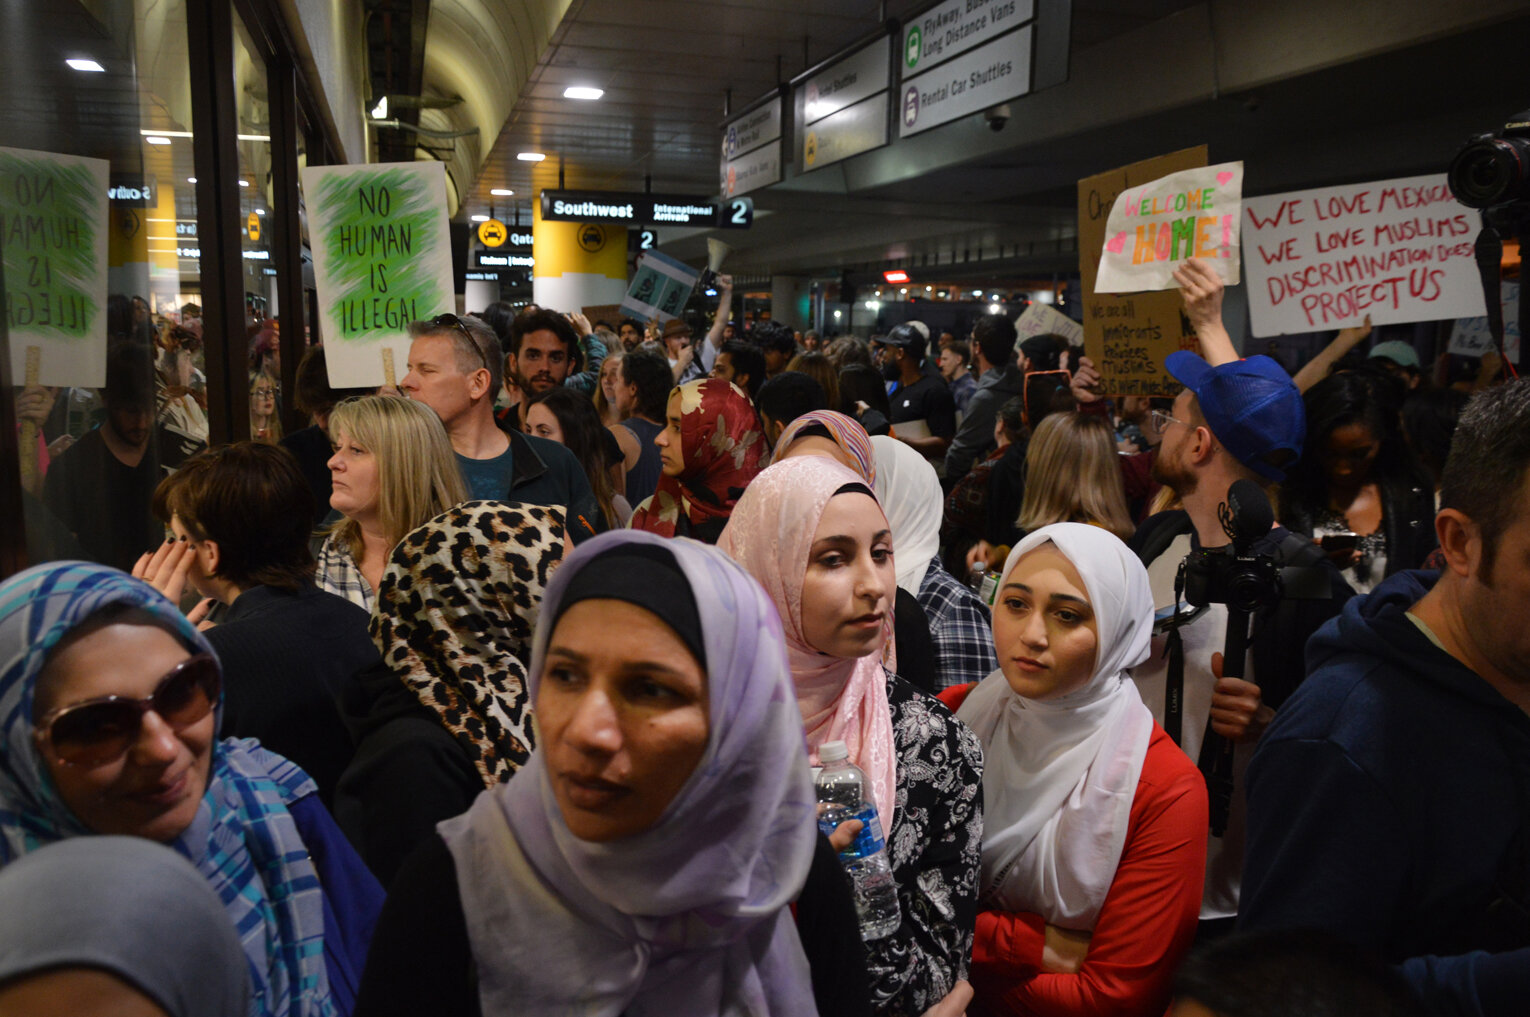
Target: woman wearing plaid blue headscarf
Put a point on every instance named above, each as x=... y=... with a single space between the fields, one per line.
x=109 y=712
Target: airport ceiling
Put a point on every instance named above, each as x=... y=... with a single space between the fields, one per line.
x=1307 y=92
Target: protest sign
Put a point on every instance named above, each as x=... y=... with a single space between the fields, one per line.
x=1128 y=337
x=1153 y=228
x=660 y=287
x=1397 y=250
x=382 y=259
x=53 y=234
x=1470 y=336
x=1041 y=319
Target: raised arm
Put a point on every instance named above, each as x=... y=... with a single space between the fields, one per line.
x=1316 y=369
x=1201 y=288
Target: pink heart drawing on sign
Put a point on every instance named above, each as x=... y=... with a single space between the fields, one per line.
x=1116 y=243
x=1223 y=177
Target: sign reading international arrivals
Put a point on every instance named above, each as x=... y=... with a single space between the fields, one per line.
x=53 y=226
x=751 y=148
x=382 y=259
x=963 y=56
x=842 y=107
x=631 y=208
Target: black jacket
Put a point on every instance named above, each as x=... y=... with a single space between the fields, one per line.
x=287 y=658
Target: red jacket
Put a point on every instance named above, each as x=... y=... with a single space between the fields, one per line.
x=1145 y=926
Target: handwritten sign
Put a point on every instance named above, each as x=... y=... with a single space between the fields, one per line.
x=660 y=287
x=1042 y=319
x=1470 y=336
x=1398 y=250
x=381 y=260
x=53 y=234
x=1128 y=337
x=1152 y=229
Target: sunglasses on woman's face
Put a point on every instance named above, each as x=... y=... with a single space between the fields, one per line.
x=99 y=731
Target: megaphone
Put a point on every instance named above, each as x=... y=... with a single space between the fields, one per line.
x=716 y=252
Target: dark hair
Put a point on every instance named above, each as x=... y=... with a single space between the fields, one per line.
x=863 y=383
x=1013 y=415
x=500 y=316
x=1286 y=972
x=251 y=498
x=1044 y=351
x=994 y=335
x=847 y=350
x=129 y=376
x=961 y=349
x=774 y=337
x=312 y=393
x=630 y=321
x=1340 y=400
x=820 y=369
x=1429 y=418
x=746 y=359
x=1485 y=472
x=489 y=350
x=546 y=321
x=585 y=436
x=788 y=396
x=654 y=381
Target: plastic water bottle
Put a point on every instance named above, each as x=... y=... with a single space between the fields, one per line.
x=976 y=575
x=841 y=788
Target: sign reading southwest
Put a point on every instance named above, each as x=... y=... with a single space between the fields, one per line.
x=638 y=209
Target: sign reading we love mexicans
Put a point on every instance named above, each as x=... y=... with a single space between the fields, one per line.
x=1154 y=228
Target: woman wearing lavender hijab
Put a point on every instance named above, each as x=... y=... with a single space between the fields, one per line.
x=644 y=860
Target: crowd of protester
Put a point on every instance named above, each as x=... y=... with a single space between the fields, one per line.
x=503 y=691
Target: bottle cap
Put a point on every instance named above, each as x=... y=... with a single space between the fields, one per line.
x=833 y=752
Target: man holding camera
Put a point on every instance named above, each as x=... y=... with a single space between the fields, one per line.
x=1389 y=802
x=1235 y=420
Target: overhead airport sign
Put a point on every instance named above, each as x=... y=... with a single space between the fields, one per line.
x=751 y=148
x=979 y=78
x=950 y=29
x=842 y=107
x=639 y=209
x=501 y=258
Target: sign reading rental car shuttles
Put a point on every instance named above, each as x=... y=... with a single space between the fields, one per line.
x=963 y=56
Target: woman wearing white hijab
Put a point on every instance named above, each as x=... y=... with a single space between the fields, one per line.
x=1094 y=841
x=958 y=619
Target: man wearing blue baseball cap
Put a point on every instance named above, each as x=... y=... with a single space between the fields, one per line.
x=1236 y=419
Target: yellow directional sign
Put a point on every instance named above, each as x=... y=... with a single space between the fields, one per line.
x=492 y=233
x=254 y=226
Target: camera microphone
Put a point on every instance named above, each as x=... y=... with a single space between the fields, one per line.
x=1247 y=514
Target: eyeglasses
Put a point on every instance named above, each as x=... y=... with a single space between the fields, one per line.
x=98 y=731
x=452 y=321
x=1162 y=420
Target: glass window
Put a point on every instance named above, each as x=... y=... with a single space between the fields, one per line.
x=100 y=247
x=257 y=201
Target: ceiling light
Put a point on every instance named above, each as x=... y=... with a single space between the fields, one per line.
x=839 y=314
x=164 y=134
x=501 y=192
x=155 y=139
x=260 y=211
x=479 y=218
x=995 y=309
x=530 y=156
x=583 y=92
x=82 y=64
x=896 y=275
x=380 y=111
x=244 y=183
x=191 y=180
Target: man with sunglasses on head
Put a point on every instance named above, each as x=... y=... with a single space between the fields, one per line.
x=455 y=369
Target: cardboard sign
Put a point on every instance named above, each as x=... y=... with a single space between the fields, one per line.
x=1470 y=336
x=53 y=229
x=1128 y=337
x=382 y=258
x=1042 y=319
x=1398 y=250
x=1154 y=228
x=660 y=288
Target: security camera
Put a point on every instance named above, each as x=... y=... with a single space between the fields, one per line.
x=997 y=116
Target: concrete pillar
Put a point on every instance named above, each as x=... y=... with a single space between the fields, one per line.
x=578 y=265
x=789 y=301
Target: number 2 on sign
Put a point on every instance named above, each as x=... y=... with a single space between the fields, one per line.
x=740 y=213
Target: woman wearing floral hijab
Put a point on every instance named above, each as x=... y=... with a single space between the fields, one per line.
x=812 y=533
x=711 y=448
x=1094 y=845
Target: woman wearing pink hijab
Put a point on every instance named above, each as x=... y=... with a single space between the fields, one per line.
x=813 y=534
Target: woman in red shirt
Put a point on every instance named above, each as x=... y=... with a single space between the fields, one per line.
x=1094 y=822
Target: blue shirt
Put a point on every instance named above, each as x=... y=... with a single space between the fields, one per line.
x=487 y=479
